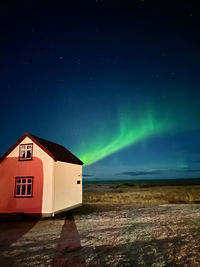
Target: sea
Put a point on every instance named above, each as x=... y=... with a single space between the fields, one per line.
x=147 y=182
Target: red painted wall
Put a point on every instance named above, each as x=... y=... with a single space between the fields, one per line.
x=10 y=168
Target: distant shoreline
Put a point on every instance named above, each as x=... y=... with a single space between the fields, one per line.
x=147 y=183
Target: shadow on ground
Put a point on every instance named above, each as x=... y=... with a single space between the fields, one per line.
x=69 y=245
x=12 y=228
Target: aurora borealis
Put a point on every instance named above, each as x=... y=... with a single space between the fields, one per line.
x=135 y=125
x=117 y=83
x=130 y=130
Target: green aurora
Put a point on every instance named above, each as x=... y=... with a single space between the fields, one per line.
x=132 y=127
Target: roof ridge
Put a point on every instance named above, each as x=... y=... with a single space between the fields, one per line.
x=60 y=155
x=34 y=136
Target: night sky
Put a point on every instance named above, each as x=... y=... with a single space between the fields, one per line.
x=115 y=82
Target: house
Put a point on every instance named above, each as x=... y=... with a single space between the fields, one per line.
x=39 y=177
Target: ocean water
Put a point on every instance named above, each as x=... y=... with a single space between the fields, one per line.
x=146 y=183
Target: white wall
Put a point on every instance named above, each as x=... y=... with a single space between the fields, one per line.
x=48 y=165
x=67 y=192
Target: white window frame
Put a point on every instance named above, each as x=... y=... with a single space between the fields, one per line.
x=25 y=148
x=23 y=182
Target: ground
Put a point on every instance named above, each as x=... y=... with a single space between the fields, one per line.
x=140 y=193
x=106 y=235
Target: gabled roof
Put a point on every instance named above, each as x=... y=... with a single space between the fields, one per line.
x=56 y=151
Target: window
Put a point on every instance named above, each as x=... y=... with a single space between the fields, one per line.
x=23 y=186
x=78 y=182
x=25 y=151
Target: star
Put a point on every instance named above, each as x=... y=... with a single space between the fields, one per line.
x=78 y=62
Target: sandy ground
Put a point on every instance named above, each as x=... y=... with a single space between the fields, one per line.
x=106 y=235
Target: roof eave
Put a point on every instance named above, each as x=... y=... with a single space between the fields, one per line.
x=37 y=143
x=19 y=141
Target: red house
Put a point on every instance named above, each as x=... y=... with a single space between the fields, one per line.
x=39 y=177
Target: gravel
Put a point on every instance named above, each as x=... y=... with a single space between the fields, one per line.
x=105 y=235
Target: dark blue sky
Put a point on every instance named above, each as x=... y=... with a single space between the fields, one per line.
x=116 y=82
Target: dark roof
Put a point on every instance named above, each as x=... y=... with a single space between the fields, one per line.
x=57 y=152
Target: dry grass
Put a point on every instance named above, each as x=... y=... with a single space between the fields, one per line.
x=126 y=194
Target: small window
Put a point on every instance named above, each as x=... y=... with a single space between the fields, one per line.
x=24 y=187
x=25 y=151
x=78 y=181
